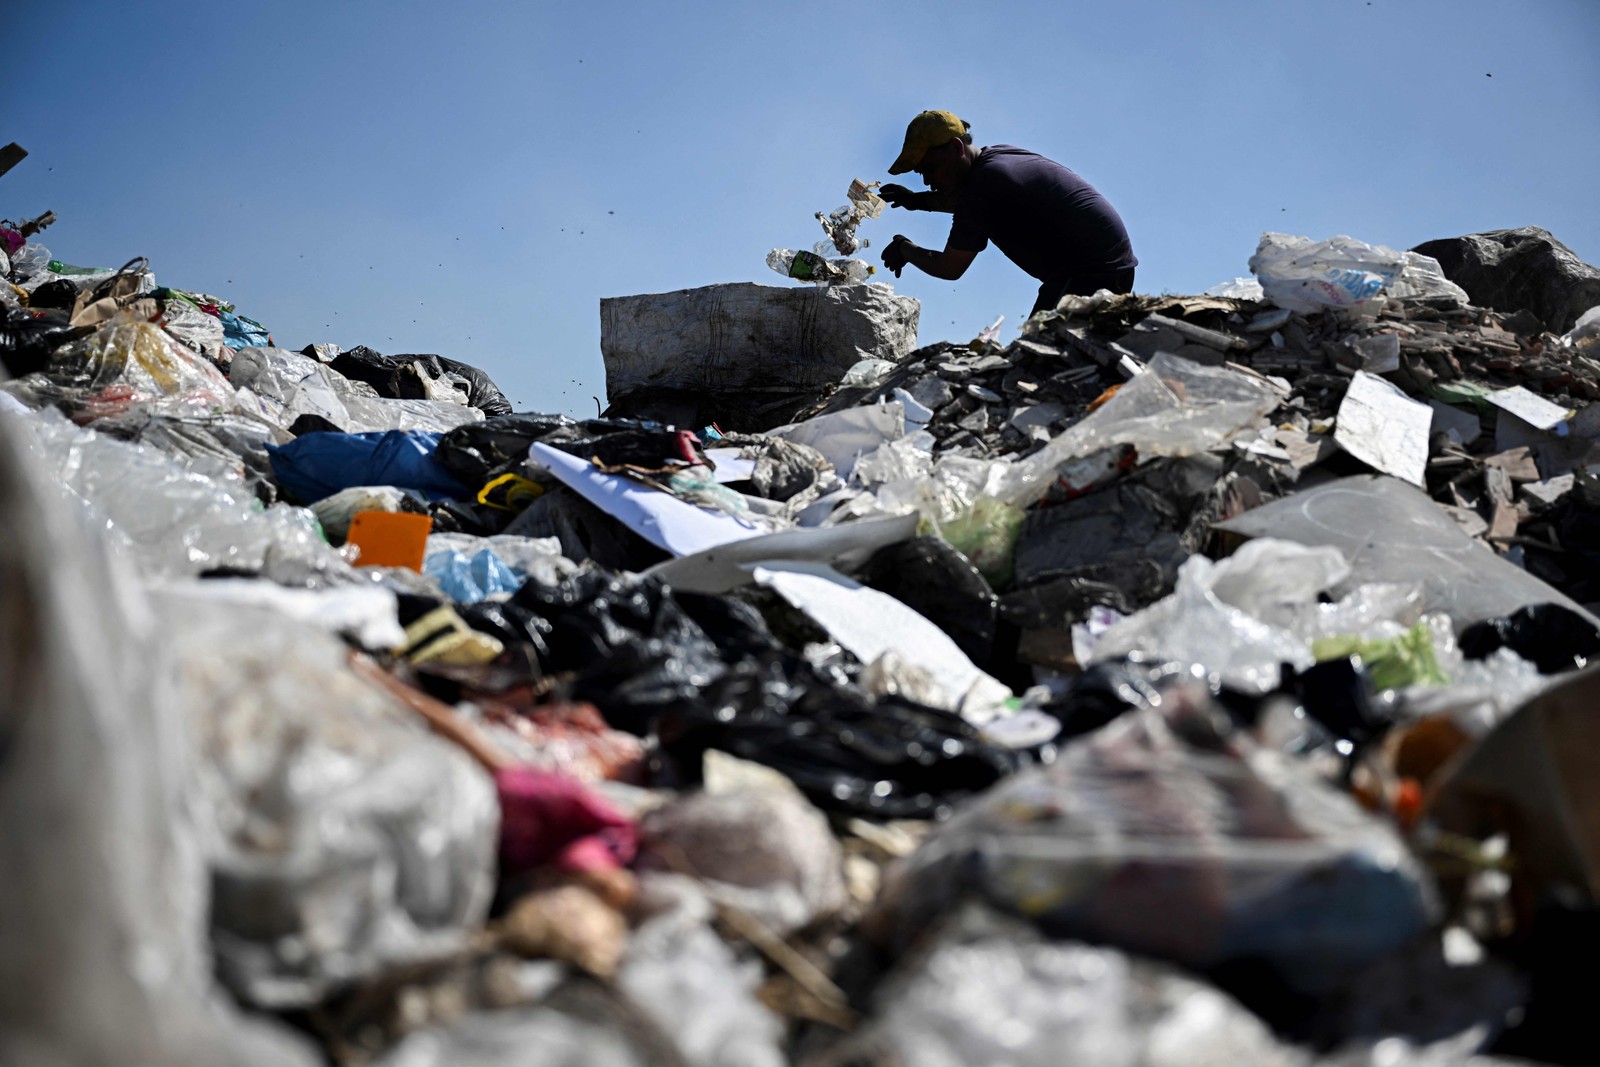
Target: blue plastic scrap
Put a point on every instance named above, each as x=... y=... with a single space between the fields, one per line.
x=469 y=579
x=317 y=465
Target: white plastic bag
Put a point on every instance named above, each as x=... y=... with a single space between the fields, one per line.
x=996 y=1000
x=1305 y=275
x=1232 y=616
x=1586 y=331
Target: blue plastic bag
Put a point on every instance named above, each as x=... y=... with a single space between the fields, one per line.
x=321 y=464
x=240 y=332
x=468 y=579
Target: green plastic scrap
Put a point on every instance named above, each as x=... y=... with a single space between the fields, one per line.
x=696 y=486
x=1462 y=393
x=1394 y=662
x=987 y=535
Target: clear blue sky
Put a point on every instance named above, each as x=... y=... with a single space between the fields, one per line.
x=471 y=178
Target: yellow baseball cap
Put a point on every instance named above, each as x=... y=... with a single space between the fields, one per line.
x=928 y=130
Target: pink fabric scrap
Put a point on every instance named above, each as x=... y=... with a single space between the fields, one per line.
x=548 y=818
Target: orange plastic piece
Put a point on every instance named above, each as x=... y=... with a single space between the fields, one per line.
x=390 y=538
x=1103 y=397
x=1408 y=802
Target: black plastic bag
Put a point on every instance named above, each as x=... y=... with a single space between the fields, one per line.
x=933 y=579
x=26 y=342
x=477 y=451
x=400 y=377
x=1550 y=636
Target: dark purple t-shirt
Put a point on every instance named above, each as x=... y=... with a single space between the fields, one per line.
x=1045 y=218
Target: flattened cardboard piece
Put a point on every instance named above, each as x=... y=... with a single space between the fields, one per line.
x=1532 y=778
x=1391 y=532
x=660 y=518
x=1383 y=428
x=725 y=567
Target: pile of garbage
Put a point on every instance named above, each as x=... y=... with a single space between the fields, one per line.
x=1193 y=679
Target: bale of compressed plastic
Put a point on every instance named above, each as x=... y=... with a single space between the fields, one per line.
x=745 y=339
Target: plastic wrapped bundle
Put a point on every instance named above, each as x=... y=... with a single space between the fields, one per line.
x=1167 y=834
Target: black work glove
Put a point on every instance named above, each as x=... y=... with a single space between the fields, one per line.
x=899 y=196
x=898 y=253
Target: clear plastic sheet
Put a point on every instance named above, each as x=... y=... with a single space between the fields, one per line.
x=694 y=987
x=344 y=838
x=30 y=263
x=105 y=957
x=996 y=1000
x=1419 y=543
x=1172 y=408
x=208 y=518
x=237 y=439
x=1167 y=833
x=288 y=385
x=382 y=413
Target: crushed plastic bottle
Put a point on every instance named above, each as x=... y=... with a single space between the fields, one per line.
x=811 y=267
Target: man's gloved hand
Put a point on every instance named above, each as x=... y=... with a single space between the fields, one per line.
x=898 y=253
x=898 y=196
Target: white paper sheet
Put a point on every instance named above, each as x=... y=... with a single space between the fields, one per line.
x=660 y=518
x=1383 y=428
x=720 y=569
x=730 y=468
x=869 y=623
x=1533 y=409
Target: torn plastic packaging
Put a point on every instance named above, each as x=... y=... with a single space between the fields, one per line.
x=127 y=362
x=209 y=520
x=343 y=837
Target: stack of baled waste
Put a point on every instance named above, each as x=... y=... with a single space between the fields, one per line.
x=1193 y=679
